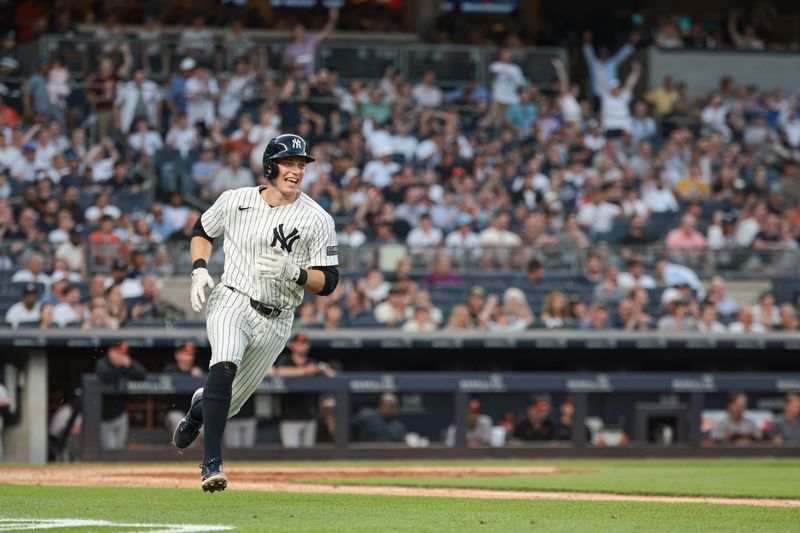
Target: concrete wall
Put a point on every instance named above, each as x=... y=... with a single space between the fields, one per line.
x=702 y=70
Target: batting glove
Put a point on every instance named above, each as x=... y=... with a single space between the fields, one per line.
x=275 y=264
x=200 y=280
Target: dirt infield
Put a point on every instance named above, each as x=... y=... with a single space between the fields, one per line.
x=282 y=479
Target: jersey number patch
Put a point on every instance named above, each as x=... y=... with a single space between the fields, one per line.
x=286 y=241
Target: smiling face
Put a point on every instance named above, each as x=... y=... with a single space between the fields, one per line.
x=290 y=175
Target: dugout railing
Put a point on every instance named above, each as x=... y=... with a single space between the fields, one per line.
x=693 y=389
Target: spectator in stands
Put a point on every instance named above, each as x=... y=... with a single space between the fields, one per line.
x=786 y=427
x=497 y=241
x=423 y=237
x=298 y=420
x=479 y=427
x=395 y=309
x=27 y=310
x=635 y=276
x=138 y=98
x=101 y=208
x=615 y=101
x=746 y=324
x=708 y=323
x=71 y=311
x=735 y=427
x=101 y=90
x=765 y=311
x=33 y=271
x=442 y=272
x=601 y=66
x=196 y=40
x=555 y=311
x=426 y=93
x=677 y=317
x=299 y=56
x=231 y=176
x=725 y=305
x=788 y=318
x=507 y=80
x=686 y=236
x=151 y=305
x=462 y=243
x=598 y=317
x=459 y=319
x=420 y=321
x=116 y=369
x=673 y=275
x=598 y=213
x=98 y=316
x=202 y=93
x=631 y=317
x=381 y=424
x=536 y=426
x=356 y=307
x=747 y=40
x=663 y=97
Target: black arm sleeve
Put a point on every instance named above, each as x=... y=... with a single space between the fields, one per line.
x=331 y=279
x=199 y=231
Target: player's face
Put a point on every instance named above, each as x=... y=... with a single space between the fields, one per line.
x=290 y=174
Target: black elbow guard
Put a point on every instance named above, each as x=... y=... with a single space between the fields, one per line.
x=199 y=231
x=331 y=274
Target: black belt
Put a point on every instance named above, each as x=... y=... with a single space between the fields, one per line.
x=262 y=309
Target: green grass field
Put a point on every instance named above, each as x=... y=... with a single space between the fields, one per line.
x=126 y=509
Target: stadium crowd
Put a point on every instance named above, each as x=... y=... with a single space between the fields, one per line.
x=103 y=177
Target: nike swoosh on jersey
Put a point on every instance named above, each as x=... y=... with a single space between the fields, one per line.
x=243 y=208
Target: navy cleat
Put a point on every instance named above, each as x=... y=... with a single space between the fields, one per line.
x=213 y=478
x=188 y=428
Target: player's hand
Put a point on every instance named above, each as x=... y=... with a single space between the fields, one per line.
x=276 y=264
x=200 y=280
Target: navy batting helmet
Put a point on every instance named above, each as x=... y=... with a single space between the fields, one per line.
x=286 y=145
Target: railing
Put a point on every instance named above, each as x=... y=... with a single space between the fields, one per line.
x=508 y=263
x=454 y=64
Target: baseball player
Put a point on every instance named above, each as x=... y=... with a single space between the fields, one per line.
x=278 y=243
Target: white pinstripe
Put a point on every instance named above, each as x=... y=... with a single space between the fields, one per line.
x=237 y=332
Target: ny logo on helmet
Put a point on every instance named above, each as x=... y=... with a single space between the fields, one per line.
x=297 y=144
x=286 y=241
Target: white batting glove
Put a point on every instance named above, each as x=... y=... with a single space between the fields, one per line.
x=200 y=280
x=275 y=264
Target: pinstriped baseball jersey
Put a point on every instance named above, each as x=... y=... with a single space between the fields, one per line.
x=251 y=227
x=237 y=332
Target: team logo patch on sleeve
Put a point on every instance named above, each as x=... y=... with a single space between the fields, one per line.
x=333 y=250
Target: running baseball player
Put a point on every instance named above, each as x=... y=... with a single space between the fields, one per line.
x=278 y=243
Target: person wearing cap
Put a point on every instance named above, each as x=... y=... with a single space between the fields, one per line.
x=536 y=425
x=35 y=98
x=27 y=310
x=116 y=369
x=462 y=243
x=479 y=427
x=298 y=423
x=24 y=168
x=677 y=317
x=183 y=365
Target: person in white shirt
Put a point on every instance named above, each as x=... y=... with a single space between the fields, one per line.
x=746 y=324
x=423 y=236
x=240 y=87
x=34 y=264
x=232 y=176
x=202 y=92
x=462 y=243
x=658 y=198
x=598 y=215
x=714 y=117
x=138 y=98
x=497 y=241
x=567 y=95
x=351 y=236
x=70 y=311
x=197 y=40
x=145 y=140
x=379 y=171
x=175 y=213
x=27 y=310
x=635 y=277
x=615 y=101
x=708 y=322
x=426 y=93
x=506 y=83
x=181 y=136
x=9 y=154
